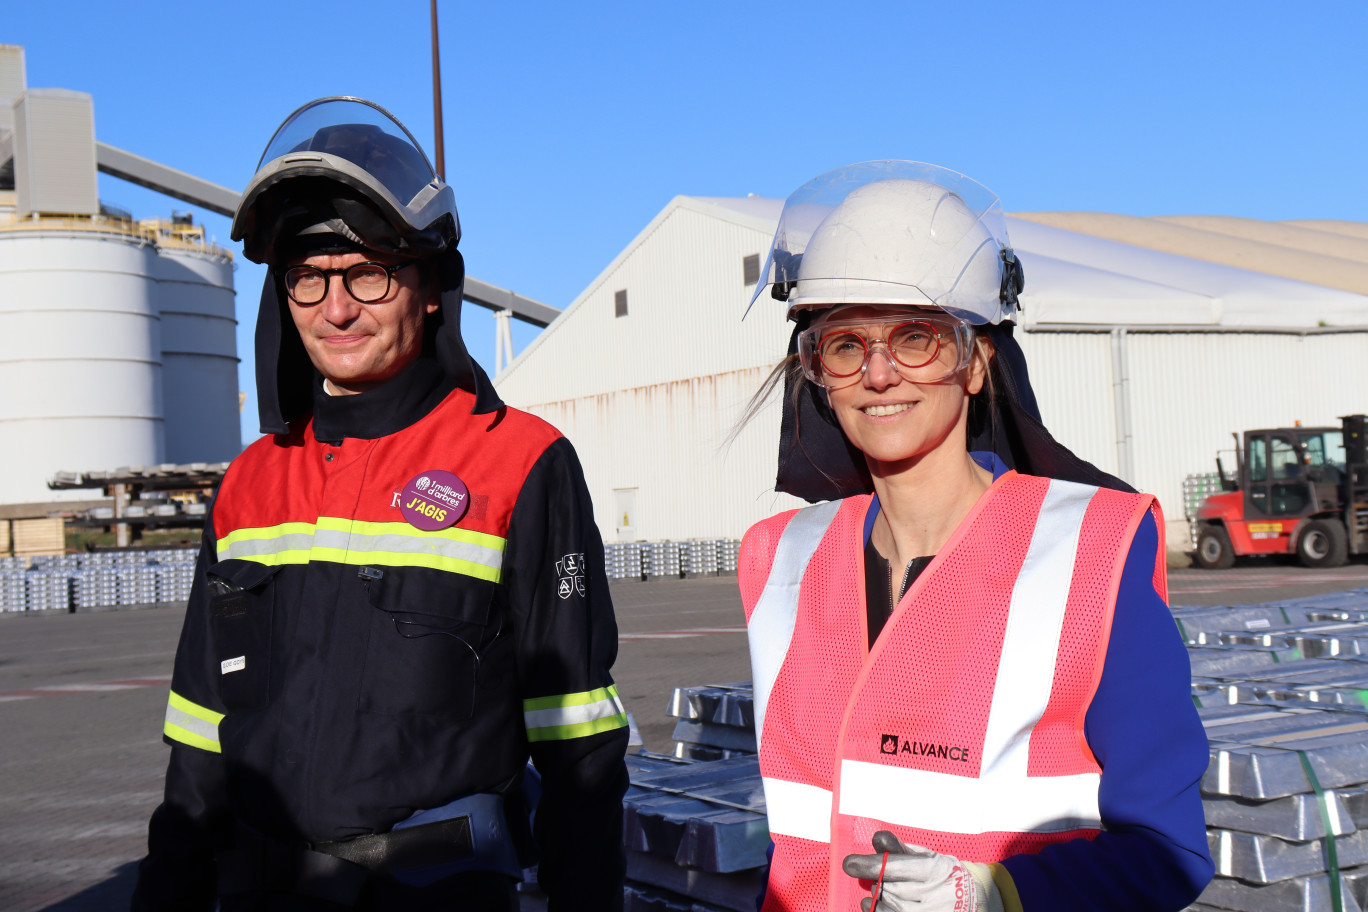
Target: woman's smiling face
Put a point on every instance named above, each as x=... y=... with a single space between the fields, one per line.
x=893 y=419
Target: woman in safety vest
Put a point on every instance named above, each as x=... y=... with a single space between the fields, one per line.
x=969 y=691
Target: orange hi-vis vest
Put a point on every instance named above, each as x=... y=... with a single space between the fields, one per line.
x=962 y=729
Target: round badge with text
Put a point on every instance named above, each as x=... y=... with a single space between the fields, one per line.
x=434 y=500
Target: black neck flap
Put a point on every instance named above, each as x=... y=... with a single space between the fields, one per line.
x=385 y=410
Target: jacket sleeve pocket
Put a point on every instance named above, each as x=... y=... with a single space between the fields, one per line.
x=241 y=608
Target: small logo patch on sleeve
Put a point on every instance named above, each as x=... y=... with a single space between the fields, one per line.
x=570 y=575
x=228 y=665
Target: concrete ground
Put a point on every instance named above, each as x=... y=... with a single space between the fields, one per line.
x=82 y=698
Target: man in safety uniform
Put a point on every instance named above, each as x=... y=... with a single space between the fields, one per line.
x=400 y=593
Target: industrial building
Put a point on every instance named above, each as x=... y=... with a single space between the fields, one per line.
x=119 y=347
x=1150 y=340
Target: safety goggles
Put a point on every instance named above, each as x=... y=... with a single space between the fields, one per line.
x=929 y=349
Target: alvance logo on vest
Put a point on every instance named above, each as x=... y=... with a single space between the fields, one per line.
x=894 y=744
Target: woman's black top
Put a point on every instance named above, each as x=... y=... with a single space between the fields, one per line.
x=879 y=600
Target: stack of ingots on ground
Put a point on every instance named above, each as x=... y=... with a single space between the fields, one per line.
x=694 y=820
x=656 y=560
x=1281 y=687
x=75 y=582
x=83 y=582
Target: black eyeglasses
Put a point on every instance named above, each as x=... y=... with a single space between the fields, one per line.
x=366 y=282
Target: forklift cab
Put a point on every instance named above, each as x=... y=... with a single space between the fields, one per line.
x=1290 y=473
x=1296 y=490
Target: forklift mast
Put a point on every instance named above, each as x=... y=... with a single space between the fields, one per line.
x=1355 y=482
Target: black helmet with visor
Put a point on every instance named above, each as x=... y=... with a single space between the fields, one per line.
x=343 y=172
x=366 y=155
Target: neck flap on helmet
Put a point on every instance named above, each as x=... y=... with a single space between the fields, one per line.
x=905 y=234
x=345 y=170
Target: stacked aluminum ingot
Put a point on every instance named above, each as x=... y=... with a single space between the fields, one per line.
x=623 y=561
x=175 y=572
x=90 y=581
x=716 y=721
x=661 y=560
x=671 y=560
x=699 y=558
x=137 y=585
x=13 y=591
x=48 y=590
x=96 y=585
x=696 y=834
x=1282 y=691
x=728 y=555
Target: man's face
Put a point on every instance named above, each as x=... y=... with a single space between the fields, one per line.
x=359 y=346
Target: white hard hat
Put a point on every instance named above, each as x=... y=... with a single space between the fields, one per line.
x=899 y=233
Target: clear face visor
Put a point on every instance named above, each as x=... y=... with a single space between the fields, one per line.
x=920 y=347
x=359 y=132
x=895 y=233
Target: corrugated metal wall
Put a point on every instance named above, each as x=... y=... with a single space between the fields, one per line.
x=665 y=446
x=1071 y=374
x=1189 y=391
x=1186 y=393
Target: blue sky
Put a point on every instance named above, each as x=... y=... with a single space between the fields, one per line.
x=569 y=126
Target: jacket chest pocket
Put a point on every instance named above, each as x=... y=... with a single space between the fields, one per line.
x=427 y=637
x=241 y=609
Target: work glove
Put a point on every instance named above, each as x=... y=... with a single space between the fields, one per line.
x=916 y=879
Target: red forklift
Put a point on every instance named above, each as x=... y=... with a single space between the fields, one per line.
x=1297 y=490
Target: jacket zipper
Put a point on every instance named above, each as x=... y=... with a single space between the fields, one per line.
x=892 y=599
x=907 y=573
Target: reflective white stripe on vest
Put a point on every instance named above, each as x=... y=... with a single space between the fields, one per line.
x=1035 y=621
x=771 y=623
x=960 y=804
x=796 y=809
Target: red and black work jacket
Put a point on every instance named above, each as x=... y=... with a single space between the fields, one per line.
x=341 y=668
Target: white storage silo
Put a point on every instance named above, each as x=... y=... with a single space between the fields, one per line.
x=80 y=360
x=198 y=352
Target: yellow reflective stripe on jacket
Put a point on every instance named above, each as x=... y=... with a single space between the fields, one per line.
x=192 y=724
x=565 y=716
x=348 y=541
